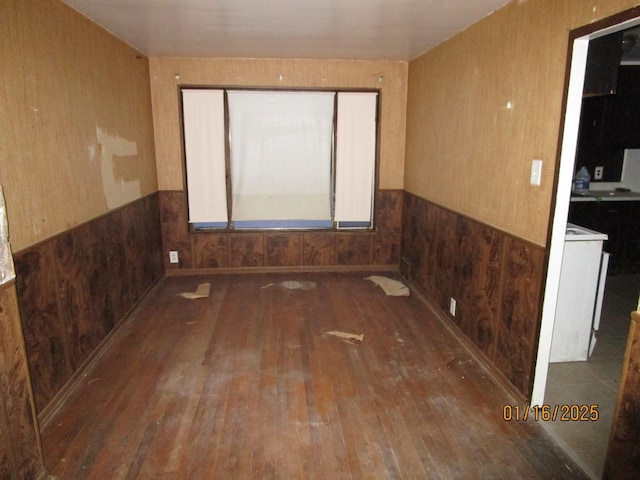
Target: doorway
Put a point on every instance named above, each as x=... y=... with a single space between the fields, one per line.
x=559 y=223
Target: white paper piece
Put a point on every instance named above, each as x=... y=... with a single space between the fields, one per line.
x=391 y=287
x=201 y=292
x=347 y=336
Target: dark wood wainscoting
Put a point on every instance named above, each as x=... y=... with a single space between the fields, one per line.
x=273 y=250
x=75 y=288
x=496 y=280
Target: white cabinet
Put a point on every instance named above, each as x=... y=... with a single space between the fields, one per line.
x=582 y=281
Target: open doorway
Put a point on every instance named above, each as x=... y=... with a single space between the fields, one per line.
x=542 y=395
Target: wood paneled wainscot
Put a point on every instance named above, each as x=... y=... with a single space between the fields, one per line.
x=76 y=287
x=378 y=249
x=496 y=280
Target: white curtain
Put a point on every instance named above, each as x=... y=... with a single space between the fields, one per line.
x=203 y=116
x=355 y=159
x=281 y=154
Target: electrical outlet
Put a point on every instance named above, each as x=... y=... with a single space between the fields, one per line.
x=598 y=172
x=452 y=307
x=173 y=256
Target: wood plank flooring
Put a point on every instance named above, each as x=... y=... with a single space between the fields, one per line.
x=247 y=383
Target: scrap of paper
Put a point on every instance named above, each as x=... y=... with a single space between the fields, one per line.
x=347 y=336
x=391 y=287
x=201 y=292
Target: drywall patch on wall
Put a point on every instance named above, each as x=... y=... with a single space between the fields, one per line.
x=119 y=168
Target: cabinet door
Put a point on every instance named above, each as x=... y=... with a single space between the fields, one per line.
x=611 y=219
x=594 y=146
x=603 y=58
x=621 y=116
x=632 y=239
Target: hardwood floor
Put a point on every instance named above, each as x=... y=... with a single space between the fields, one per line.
x=247 y=383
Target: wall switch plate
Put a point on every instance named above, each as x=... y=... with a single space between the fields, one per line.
x=597 y=173
x=536 y=172
x=173 y=256
x=452 y=307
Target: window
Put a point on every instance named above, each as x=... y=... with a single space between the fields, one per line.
x=296 y=159
x=281 y=158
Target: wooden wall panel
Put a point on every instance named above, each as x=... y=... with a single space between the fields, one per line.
x=389 y=77
x=76 y=129
x=283 y=250
x=485 y=103
x=388 y=222
x=495 y=279
x=419 y=235
x=175 y=229
x=521 y=310
x=318 y=249
x=20 y=450
x=43 y=331
x=353 y=248
x=247 y=250
x=274 y=249
x=79 y=264
x=142 y=233
x=623 y=457
x=76 y=287
x=445 y=259
x=478 y=270
x=211 y=251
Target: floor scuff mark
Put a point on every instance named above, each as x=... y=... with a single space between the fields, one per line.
x=293 y=285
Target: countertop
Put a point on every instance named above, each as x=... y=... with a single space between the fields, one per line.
x=604 y=196
x=576 y=233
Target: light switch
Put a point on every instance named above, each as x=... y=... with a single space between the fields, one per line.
x=536 y=172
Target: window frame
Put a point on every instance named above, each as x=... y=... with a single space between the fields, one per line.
x=201 y=227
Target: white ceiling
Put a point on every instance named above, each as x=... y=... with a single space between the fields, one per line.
x=320 y=29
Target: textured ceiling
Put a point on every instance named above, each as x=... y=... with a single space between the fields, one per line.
x=321 y=29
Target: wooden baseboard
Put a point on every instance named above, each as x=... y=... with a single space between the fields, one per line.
x=296 y=269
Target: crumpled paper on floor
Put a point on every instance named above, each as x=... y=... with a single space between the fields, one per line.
x=390 y=286
x=201 y=292
x=347 y=336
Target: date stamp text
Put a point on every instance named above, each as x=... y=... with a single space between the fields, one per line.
x=551 y=413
